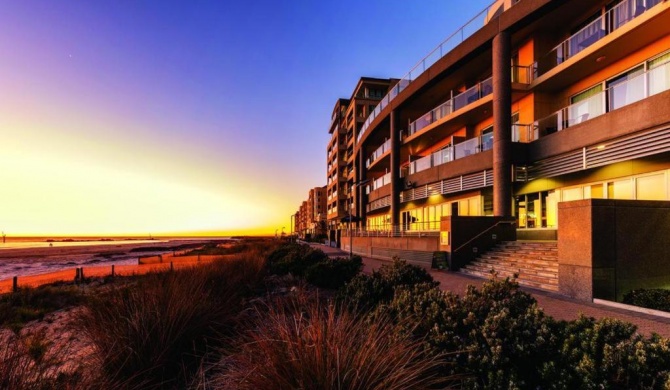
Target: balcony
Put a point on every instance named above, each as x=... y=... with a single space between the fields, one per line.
x=455 y=39
x=378 y=183
x=459 y=101
x=635 y=89
x=377 y=154
x=460 y=150
x=604 y=25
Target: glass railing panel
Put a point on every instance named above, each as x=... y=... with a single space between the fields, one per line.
x=442 y=156
x=486 y=87
x=487 y=141
x=584 y=38
x=523 y=133
x=472 y=26
x=523 y=74
x=589 y=108
x=466 y=148
x=659 y=79
x=423 y=163
x=627 y=93
x=467 y=97
x=616 y=17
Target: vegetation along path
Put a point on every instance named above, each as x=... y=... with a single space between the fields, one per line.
x=555 y=305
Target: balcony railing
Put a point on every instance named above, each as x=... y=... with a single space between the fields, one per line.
x=524 y=74
x=385 y=147
x=378 y=183
x=455 y=39
x=428 y=228
x=459 y=101
x=610 y=21
x=637 y=88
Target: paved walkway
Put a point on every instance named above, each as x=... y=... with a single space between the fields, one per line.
x=553 y=304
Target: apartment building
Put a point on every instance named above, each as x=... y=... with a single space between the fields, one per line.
x=530 y=106
x=347 y=119
x=310 y=219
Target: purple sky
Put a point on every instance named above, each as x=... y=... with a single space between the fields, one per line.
x=136 y=117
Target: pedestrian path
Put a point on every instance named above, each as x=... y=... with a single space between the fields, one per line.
x=553 y=304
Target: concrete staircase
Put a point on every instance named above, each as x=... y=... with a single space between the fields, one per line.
x=535 y=262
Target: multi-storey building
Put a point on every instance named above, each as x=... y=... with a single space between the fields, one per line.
x=310 y=219
x=343 y=178
x=531 y=104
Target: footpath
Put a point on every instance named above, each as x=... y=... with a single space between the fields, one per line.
x=553 y=304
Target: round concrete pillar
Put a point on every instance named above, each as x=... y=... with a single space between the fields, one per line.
x=502 y=125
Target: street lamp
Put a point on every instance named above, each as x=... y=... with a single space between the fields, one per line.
x=351 y=236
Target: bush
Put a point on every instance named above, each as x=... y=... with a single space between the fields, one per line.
x=657 y=299
x=496 y=334
x=294 y=259
x=608 y=354
x=333 y=273
x=303 y=345
x=155 y=334
x=366 y=292
x=30 y=304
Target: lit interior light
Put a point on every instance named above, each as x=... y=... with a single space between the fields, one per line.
x=600 y=147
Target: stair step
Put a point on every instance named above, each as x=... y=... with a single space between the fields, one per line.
x=535 y=263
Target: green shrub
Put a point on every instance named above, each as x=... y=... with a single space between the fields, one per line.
x=30 y=304
x=496 y=336
x=368 y=291
x=294 y=259
x=333 y=273
x=608 y=353
x=657 y=299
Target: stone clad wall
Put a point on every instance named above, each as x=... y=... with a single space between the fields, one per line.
x=608 y=247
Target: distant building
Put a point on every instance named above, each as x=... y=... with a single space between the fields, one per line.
x=342 y=176
x=310 y=219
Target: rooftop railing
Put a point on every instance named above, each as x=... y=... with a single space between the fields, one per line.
x=602 y=26
x=455 y=39
x=622 y=94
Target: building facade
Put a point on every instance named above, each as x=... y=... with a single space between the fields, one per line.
x=343 y=168
x=310 y=219
x=544 y=102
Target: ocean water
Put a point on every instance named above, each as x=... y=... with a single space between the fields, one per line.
x=40 y=263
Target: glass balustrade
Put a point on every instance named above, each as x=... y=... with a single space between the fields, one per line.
x=624 y=93
x=466 y=148
x=460 y=35
x=385 y=147
x=610 y=21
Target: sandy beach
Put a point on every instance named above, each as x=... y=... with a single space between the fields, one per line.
x=33 y=261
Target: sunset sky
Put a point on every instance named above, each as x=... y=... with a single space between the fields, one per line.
x=173 y=117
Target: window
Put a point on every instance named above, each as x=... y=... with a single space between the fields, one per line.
x=659 y=73
x=651 y=187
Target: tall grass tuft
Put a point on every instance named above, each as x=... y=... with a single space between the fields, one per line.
x=29 y=362
x=300 y=344
x=156 y=333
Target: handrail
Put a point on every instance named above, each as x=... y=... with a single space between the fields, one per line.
x=482 y=233
x=445 y=47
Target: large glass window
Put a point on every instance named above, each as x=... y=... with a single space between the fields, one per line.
x=651 y=187
x=659 y=74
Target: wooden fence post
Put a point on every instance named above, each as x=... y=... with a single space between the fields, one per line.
x=112 y=270
x=171 y=266
x=15 y=284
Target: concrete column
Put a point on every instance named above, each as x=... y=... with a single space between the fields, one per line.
x=502 y=124
x=395 y=170
x=361 y=200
